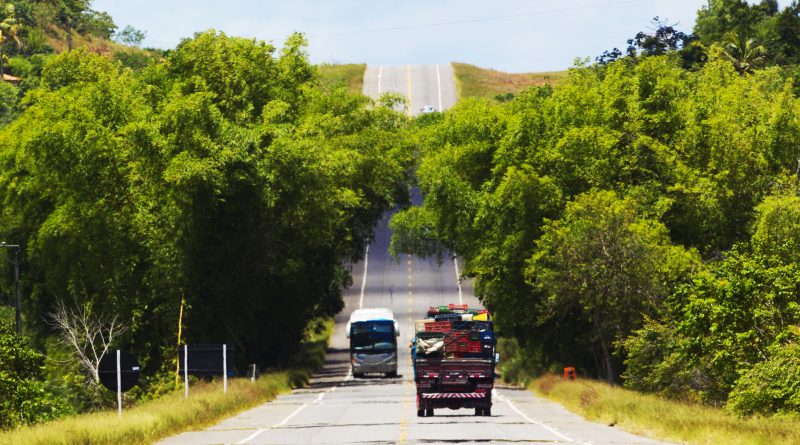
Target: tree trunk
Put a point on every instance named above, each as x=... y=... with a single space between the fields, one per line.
x=607 y=368
x=69 y=34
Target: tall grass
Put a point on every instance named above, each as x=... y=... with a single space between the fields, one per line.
x=656 y=417
x=172 y=414
x=350 y=76
x=473 y=81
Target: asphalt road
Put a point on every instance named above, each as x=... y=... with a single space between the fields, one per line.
x=422 y=85
x=338 y=409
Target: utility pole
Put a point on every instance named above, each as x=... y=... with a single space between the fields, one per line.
x=15 y=262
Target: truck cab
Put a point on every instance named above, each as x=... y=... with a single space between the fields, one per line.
x=373 y=342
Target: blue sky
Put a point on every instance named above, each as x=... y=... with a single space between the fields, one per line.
x=509 y=35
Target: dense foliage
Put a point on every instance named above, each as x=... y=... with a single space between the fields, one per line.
x=223 y=176
x=31 y=30
x=600 y=218
x=24 y=396
x=751 y=36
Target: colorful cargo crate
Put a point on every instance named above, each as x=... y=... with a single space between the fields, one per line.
x=438 y=326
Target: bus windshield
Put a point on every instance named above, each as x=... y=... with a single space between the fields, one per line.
x=373 y=336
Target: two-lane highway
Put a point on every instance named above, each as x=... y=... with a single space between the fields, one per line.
x=421 y=85
x=338 y=409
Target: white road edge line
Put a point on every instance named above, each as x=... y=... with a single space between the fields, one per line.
x=317 y=401
x=439 y=86
x=348 y=377
x=290 y=416
x=535 y=422
x=380 y=75
x=252 y=436
x=458 y=281
x=364 y=278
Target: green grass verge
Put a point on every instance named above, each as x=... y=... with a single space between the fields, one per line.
x=653 y=416
x=171 y=414
x=473 y=81
x=350 y=76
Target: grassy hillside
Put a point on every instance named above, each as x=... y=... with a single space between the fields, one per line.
x=473 y=81
x=347 y=75
x=656 y=417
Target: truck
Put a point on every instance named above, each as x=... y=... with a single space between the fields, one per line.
x=454 y=359
x=373 y=342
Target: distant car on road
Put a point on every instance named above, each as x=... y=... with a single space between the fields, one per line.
x=427 y=109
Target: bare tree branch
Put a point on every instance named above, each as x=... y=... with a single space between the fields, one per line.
x=88 y=336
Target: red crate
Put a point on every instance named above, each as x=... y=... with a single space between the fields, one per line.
x=474 y=349
x=458 y=307
x=455 y=337
x=462 y=346
x=438 y=326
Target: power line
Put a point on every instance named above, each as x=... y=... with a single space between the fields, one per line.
x=476 y=20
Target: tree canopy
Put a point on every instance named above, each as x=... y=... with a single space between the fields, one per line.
x=637 y=221
x=222 y=176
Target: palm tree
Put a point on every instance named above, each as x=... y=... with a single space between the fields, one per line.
x=745 y=53
x=10 y=28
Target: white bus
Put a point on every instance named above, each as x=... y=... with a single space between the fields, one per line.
x=373 y=342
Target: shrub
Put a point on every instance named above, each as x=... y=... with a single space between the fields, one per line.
x=24 y=397
x=772 y=386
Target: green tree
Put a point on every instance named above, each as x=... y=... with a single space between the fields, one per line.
x=10 y=30
x=9 y=96
x=720 y=17
x=131 y=36
x=771 y=386
x=745 y=53
x=222 y=175
x=24 y=398
x=610 y=264
x=777 y=228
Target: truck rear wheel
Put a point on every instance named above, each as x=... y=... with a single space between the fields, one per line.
x=429 y=412
x=420 y=413
x=478 y=411
x=487 y=412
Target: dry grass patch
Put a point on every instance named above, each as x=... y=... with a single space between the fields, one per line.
x=655 y=417
x=473 y=81
x=350 y=76
x=154 y=420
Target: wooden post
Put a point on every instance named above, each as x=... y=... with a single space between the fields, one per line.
x=178 y=362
